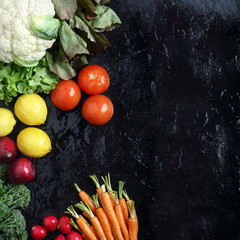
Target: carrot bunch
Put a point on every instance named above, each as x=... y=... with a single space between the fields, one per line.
x=107 y=215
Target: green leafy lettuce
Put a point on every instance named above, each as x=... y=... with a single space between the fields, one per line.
x=15 y=80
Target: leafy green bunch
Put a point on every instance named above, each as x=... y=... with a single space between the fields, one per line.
x=13 y=198
x=15 y=80
x=80 y=34
x=78 y=27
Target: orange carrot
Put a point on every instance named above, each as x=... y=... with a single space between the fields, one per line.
x=85 y=236
x=132 y=222
x=114 y=233
x=94 y=220
x=98 y=187
x=82 y=223
x=111 y=215
x=86 y=215
x=103 y=218
x=122 y=201
x=108 y=185
x=85 y=198
x=129 y=201
x=120 y=217
x=86 y=229
x=93 y=229
x=75 y=226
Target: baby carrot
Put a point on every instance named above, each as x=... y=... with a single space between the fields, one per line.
x=120 y=217
x=111 y=215
x=75 y=225
x=114 y=233
x=94 y=231
x=77 y=228
x=82 y=223
x=108 y=185
x=103 y=218
x=98 y=187
x=129 y=201
x=132 y=222
x=122 y=201
x=85 y=198
x=85 y=237
x=94 y=220
x=86 y=215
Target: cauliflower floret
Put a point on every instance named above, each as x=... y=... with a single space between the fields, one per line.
x=16 y=37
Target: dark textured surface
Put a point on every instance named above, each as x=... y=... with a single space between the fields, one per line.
x=174 y=138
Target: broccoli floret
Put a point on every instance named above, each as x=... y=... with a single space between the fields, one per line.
x=15 y=196
x=12 y=198
x=14 y=224
x=4 y=210
x=23 y=236
x=3 y=170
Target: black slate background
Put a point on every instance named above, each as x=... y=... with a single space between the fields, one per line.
x=174 y=138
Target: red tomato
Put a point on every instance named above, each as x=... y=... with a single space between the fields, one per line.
x=93 y=79
x=66 y=95
x=97 y=109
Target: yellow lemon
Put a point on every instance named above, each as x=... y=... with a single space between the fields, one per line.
x=33 y=142
x=31 y=109
x=7 y=122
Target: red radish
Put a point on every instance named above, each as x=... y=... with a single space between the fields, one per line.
x=64 y=225
x=50 y=223
x=74 y=236
x=59 y=237
x=21 y=171
x=8 y=150
x=38 y=232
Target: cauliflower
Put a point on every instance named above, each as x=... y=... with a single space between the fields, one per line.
x=16 y=38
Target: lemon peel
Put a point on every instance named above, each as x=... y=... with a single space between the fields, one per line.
x=7 y=122
x=31 y=109
x=33 y=142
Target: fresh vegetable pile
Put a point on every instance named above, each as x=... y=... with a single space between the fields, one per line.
x=107 y=215
x=31 y=141
x=93 y=80
x=110 y=214
x=42 y=42
x=13 y=198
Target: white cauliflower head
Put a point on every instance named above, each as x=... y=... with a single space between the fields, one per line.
x=16 y=37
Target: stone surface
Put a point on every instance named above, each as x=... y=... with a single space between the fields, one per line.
x=174 y=138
